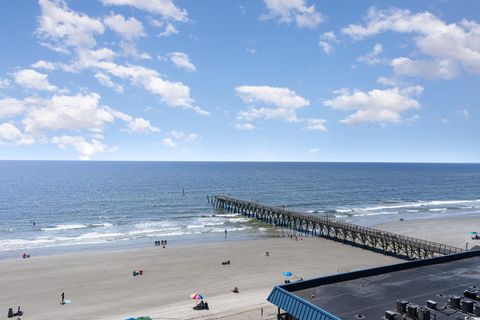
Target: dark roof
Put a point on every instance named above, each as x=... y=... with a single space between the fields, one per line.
x=371 y=292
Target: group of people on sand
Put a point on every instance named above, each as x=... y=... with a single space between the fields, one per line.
x=137 y=273
x=202 y=305
x=162 y=243
x=25 y=255
x=12 y=314
x=294 y=236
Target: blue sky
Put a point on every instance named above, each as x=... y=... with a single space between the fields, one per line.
x=271 y=80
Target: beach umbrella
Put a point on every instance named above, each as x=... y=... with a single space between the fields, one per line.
x=287 y=274
x=197 y=296
x=473 y=232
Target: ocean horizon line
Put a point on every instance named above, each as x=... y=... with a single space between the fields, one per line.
x=236 y=161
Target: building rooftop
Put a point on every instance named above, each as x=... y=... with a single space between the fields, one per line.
x=368 y=294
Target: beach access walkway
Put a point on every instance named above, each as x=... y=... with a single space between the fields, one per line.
x=330 y=228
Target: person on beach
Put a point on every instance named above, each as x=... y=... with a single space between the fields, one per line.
x=225 y=233
x=63 y=298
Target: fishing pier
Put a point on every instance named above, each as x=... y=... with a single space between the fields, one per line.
x=330 y=228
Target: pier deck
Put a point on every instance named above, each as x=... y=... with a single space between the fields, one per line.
x=334 y=229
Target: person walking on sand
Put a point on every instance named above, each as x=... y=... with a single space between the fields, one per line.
x=225 y=233
x=63 y=298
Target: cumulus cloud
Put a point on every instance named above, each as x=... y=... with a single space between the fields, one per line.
x=377 y=105
x=169 y=142
x=430 y=69
x=129 y=29
x=45 y=65
x=288 y=11
x=174 y=94
x=244 y=126
x=169 y=30
x=85 y=149
x=372 y=57
x=32 y=79
x=10 y=134
x=285 y=102
x=327 y=40
x=316 y=124
x=11 y=107
x=164 y=8
x=75 y=112
x=63 y=28
x=175 y=137
x=4 y=83
x=182 y=61
x=105 y=80
x=81 y=114
x=314 y=151
x=140 y=125
x=448 y=46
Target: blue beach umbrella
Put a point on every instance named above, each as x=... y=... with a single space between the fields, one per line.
x=473 y=232
x=287 y=274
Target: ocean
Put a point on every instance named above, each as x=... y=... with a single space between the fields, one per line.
x=54 y=206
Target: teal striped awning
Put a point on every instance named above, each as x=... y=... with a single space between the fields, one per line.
x=297 y=307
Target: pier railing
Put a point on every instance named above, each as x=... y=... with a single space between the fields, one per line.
x=334 y=229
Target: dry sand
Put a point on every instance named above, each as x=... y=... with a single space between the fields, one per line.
x=101 y=285
x=450 y=230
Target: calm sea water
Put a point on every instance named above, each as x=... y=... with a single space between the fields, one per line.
x=80 y=204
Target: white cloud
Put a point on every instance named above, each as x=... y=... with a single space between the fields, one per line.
x=84 y=148
x=244 y=126
x=165 y=8
x=45 y=65
x=389 y=82
x=447 y=45
x=316 y=124
x=169 y=142
x=285 y=101
x=10 y=134
x=314 y=151
x=288 y=11
x=169 y=30
x=187 y=137
x=174 y=94
x=430 y=69
x=372 y=57
x=327 y=39
x=10 y=107
x=128 y=29
x=175 y=137
x=4 y=83
x=67 y=112
x=32 y=79
x=64 y=28
x=130 y=49
x=377 y=105
x=107 y=82
x=140 y=125
x=182 y=61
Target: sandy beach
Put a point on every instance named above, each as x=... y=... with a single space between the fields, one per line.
x=454 y=231
x=101 y=286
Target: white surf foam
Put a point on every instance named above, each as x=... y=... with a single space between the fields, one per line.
x=61 y=227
